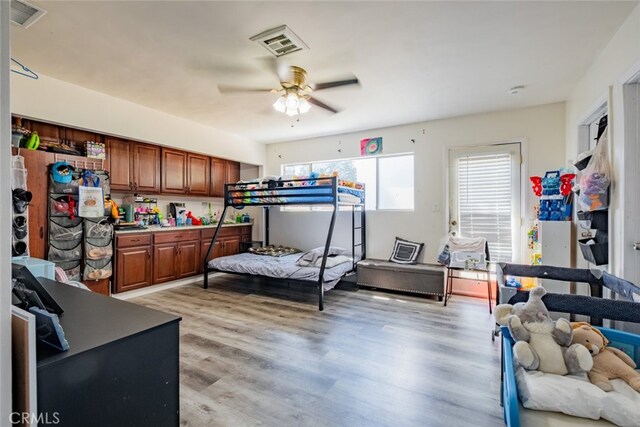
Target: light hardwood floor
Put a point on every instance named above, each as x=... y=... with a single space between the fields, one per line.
x=257 y=353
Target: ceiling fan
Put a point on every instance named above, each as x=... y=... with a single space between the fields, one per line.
x=295 y=94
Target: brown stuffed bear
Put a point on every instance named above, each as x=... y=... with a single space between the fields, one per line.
x=608 y=362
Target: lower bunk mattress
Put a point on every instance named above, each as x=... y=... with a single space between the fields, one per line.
x=283 y=267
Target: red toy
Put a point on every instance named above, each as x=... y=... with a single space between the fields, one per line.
x=567 y=181
x=194 y=220
x=537 y=185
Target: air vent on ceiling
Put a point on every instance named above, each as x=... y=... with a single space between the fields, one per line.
x=280 y=41
x=25 y=14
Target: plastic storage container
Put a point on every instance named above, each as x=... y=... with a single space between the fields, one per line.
x=37 y=267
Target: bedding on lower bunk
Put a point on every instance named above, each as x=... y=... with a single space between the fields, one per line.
x=283 y=267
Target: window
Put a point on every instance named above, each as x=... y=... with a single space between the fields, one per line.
x=388 y=180
x=485 y=197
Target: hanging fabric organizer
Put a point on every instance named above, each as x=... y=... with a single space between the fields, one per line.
x=82 y=247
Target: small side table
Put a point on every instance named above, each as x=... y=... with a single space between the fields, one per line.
x=481 y=276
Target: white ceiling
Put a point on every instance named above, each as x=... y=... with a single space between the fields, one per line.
x=416 y=61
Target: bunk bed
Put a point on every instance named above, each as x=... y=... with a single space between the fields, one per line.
x=308 y=191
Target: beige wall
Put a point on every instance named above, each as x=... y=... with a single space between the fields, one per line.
x=542 y=127
x=64 y=103
x=621 y=55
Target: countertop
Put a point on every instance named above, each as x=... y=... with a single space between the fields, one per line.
x=157 y=228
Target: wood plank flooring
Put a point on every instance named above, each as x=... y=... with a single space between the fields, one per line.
x=258 y=353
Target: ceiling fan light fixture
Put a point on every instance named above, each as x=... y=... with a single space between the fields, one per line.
x=304 y=106
x=281 y=104
x=292 y=101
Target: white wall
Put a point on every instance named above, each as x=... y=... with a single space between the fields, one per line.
x=5 y=216
x=620 y=55
x=65 y=103
x=543 y=127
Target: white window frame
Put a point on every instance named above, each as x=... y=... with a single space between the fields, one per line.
x=515 y=149
x=377 y=159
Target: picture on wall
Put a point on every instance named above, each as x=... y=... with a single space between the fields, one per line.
x=371 y=146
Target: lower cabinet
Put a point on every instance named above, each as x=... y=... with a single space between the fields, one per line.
x=133 y=268
x=144 y=259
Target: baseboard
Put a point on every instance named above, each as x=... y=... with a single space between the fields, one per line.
x=161 y=287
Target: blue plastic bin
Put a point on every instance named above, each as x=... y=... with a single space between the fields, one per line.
x=37 y=267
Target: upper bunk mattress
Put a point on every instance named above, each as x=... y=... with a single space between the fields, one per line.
x=277 y=267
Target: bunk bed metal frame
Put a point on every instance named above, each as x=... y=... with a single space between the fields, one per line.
x=291 y=193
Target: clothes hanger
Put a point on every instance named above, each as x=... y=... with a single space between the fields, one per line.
x=27 y=72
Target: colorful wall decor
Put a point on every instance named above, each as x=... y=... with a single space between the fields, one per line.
x=371 y=146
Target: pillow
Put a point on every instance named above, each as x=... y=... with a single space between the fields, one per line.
x=316 y=253
x=405 y=251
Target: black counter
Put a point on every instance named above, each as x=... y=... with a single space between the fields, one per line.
x=121 y=368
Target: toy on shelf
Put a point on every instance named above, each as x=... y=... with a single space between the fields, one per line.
x=554 y=190
x=537 y=185
x=145 y=213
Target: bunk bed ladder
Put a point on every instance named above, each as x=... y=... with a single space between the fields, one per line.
x=355 y=245
x=205 y=282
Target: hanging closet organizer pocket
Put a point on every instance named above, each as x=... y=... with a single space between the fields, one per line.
x=65 y=250
x=63 y=205
x=65 y=228
x=99 y=269
x=72 y=269
x=98 y=248
x=97 y=229
x=64 y=187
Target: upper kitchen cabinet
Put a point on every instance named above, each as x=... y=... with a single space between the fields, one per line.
x=198 y=175
x=133 y=166
x=184 y=173
x=223 y=171
x=174 y=171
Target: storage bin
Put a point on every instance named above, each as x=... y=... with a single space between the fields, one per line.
x=37 y=267
x=597 y=220
x=596 y=253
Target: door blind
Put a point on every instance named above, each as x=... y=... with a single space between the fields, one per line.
x=485 y=202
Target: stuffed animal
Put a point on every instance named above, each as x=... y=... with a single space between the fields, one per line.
x=608 y=362
x=542 y=344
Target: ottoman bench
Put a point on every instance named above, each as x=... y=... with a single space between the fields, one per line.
x=427 y=279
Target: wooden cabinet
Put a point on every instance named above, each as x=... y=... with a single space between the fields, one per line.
x=101 y=286
x=174 y=171
x=185 y=173
x=198 y=175
x=176 y=255
x=120 y=155
x=146 y=168
x=133 y=267
x=233 y=171
x=37 y=165
x=133 y=166
x=75 y=138
x=143 y=259
x=188 y=261
x=164 y=267
x=222 y=172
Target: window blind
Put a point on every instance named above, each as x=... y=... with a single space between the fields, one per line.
x=485 y=202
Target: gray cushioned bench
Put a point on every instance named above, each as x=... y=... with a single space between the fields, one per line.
x=428 y=279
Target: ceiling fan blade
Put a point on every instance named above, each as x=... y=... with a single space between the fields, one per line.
x=227 y=89
x=321 y=104
x=277 y=68
x=327 y=85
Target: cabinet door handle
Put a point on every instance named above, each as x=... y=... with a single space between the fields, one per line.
x=148 y=254
x=175 y=251
x=42 y=232
x=136 y=185
x=134 y=240
x=130 y=185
